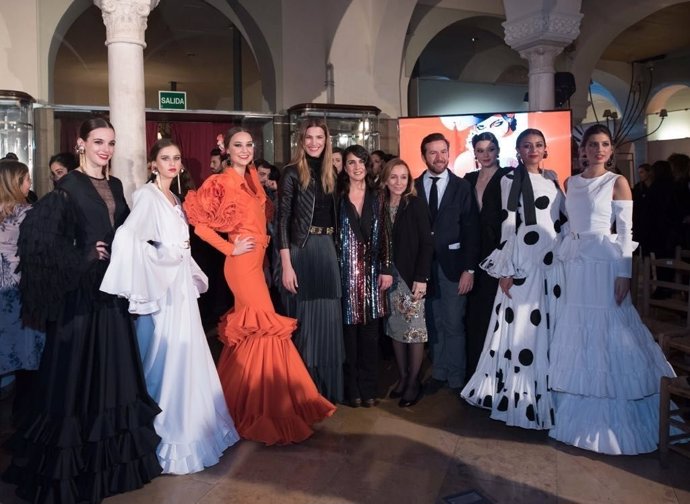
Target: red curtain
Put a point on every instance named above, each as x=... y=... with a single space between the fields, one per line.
x=69 y=132
x=196 y=139
x=151 y=135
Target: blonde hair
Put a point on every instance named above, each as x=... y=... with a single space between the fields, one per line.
x=12 y=176
x=385 y=175
x=300 y=157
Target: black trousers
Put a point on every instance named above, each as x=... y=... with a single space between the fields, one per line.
x=361 y=360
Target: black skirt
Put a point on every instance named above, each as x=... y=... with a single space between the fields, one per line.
x=89 y=433
x=317 y=307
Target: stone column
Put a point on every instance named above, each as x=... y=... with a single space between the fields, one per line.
x=125 y=22
x=539 y=33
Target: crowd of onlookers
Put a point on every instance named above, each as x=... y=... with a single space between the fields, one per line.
x=662 y=206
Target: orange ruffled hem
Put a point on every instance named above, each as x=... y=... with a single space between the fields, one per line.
x=267 y=387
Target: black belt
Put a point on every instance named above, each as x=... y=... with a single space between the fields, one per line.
x=318 y=230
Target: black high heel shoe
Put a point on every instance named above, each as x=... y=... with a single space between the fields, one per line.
x=394 y=394
x=406 y=403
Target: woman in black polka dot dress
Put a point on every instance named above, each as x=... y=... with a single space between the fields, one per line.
x=511 y=378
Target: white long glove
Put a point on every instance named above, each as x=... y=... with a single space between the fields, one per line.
x=622 y=210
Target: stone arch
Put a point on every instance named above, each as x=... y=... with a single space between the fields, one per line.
x=605 y=21
x=61 y=15
x=661 y=96
x=367 y=63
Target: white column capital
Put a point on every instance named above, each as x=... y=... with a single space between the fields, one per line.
x=554 y=28
x=541 y=57
x=125 y=20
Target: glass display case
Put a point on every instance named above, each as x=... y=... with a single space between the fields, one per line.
x=17 y=126
x=348 y=124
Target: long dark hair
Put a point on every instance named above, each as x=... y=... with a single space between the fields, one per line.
x=597 y=129
x=344 y=179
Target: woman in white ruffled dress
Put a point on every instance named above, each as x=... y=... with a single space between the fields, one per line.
x=605 y=366
x=511 y=378
x=151 y=265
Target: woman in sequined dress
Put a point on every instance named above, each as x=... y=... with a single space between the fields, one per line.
x=365 y=269
x=413 y=248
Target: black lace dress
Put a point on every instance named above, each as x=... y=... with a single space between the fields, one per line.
x=89 y=433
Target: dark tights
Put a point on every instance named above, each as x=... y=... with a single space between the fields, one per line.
x=409 y=358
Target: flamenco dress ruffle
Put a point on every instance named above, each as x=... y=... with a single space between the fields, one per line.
x=89 y=432
x=605 y=366
x=268 y=389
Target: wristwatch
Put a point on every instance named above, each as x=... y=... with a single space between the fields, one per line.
x=471 y=272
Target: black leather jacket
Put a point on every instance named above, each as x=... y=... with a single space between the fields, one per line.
x=295 y=208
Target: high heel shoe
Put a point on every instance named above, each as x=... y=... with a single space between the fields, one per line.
x=406 y=403
x=394 y=394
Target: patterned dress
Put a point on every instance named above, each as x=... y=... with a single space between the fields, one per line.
x=20 y=347
x=511 y=378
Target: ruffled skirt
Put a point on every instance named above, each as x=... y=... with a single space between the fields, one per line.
x=267 y=387
x=90 y=433
x=605 y=366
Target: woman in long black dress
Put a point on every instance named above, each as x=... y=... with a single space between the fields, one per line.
x=487 y=184
x=90 y=431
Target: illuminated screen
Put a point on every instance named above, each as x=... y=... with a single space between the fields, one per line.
x=459 y=131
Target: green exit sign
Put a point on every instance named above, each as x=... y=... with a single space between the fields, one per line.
x=172 y=100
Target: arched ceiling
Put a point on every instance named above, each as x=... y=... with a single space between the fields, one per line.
x=656 y=36
x=469 y=41
x=188 y=42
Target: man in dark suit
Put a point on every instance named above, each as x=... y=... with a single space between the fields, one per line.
x=455 y=229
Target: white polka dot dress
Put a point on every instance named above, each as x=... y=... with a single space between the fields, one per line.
x=512 y=375
x=605 y=366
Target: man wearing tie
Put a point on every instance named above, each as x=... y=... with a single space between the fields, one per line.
x=455 y=229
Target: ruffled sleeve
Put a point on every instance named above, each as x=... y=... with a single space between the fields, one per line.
x=622 y=212
x=50 y=263
x=501 y=262
x=142 y=268
x=213 y=208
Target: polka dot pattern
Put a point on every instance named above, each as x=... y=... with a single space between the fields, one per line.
x=526 y=357
x=535 y=317
x=531 y=238
x=542 y=202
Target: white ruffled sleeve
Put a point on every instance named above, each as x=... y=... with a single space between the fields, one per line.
x=142 y=268
x=622 y=211
x=501 y=262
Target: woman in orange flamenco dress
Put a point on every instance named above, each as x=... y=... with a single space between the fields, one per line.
x=268 y=389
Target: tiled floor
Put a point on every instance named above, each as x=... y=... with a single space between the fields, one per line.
x=439 y=448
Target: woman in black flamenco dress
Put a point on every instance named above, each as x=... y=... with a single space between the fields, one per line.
x=89 y=432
